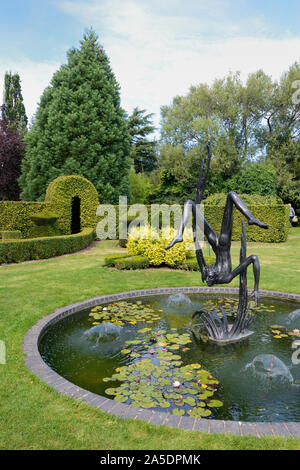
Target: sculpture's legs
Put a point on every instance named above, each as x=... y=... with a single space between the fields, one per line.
x=233 y=199
x=201 y=222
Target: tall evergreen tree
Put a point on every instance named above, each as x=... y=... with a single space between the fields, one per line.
x=143 y=151
x=79 y=128
x=13 y=106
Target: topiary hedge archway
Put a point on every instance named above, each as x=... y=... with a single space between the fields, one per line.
x=73 y=196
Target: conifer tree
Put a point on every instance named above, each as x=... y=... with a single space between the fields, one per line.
x=143 y=150
x=79 y=128
x=13 y=106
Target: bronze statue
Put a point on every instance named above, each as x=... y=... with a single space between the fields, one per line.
x=221 y=272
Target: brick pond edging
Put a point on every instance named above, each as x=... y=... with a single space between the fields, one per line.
x=35 y=363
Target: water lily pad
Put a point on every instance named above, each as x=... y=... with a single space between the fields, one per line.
x=190 y=401
x=111 y=391
x=199 y=413
x=125 y=351
x=178 y=412
x=120 y=398
x=214 y=403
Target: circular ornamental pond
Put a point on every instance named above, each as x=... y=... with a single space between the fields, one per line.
x=143 y=351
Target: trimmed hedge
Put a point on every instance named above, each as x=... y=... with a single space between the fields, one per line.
x=45 y=225
x=191 y=264
x=11 y=235
x=132 y=262
x=125 y=261
x=59 y=195
x=42 y=248
x=268 y=209
x=16 y=215
x=109 y=260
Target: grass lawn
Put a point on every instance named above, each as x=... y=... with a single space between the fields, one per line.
x=33 y=416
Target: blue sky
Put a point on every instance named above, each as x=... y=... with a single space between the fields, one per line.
x=157 y=48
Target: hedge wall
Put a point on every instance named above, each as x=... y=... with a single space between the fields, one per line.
x=270 y=211
x=40 y=248
x=59 y=195
x=15 y=215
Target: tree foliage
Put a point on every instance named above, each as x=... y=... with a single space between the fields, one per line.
x=257 y=178
x=246 y=121
x=11 y=154
x=143 y=150
x=79 y=128
x=14 y=109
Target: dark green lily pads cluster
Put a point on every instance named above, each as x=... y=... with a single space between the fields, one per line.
x=230 y=305
x=159 y=380
x=124 y=312
x=280 y=332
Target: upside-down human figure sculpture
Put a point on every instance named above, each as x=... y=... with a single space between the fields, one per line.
x=221 y=272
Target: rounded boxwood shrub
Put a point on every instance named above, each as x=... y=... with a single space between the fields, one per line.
x=59 y=197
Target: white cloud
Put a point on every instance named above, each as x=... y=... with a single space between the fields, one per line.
x=35 y=77
x=156 y=52
x=158 y=56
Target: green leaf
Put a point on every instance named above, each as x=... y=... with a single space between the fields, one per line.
x=178 y=412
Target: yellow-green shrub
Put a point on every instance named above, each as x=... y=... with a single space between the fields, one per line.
x=147 y=242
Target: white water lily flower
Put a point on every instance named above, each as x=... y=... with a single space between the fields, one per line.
x=176 y=384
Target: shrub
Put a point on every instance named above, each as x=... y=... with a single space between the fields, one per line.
x=11 y=235
x=132 y=262
x=151 y=244
x=15 y=215
x=269 y=209
x=109 y=260
x=45 y=225
x=258 y=178
x=123 y=242
x=44 y=218
x=191 y=264
x=59 y=197
x=41 y=248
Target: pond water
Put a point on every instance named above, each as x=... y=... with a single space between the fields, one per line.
x=258 y=378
